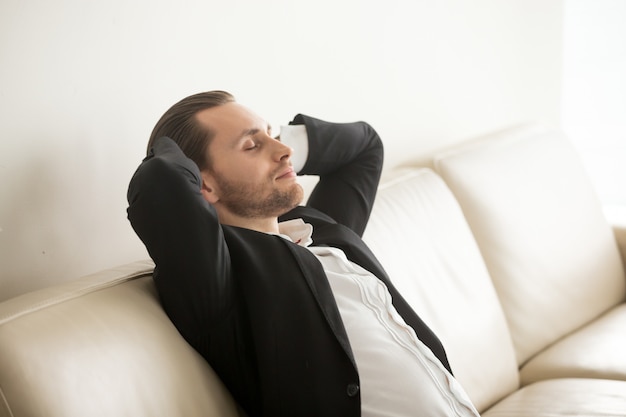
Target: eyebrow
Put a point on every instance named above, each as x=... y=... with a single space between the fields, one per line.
x=248 y=132
x=251 y=132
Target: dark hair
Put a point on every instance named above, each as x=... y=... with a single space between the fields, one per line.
x=180 y=124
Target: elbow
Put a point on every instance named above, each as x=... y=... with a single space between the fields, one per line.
x=374 y=143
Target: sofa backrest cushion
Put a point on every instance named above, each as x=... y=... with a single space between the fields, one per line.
x=541 y=230
x=418 y=232
x=102 y=346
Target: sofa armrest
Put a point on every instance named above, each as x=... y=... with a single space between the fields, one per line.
x=616 y=216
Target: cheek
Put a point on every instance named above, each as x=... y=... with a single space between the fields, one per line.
x=245 y=170
x=255 y=171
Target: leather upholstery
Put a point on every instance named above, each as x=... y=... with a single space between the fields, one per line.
x=101 y=346
x=540 y=227
x=565 y=397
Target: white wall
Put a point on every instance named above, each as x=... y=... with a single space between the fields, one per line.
x=594 y=91
x=82 y=83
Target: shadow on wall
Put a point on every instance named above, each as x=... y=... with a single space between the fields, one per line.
x=49 y=218
x=31 y=237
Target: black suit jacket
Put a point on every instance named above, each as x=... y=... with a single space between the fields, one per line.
x=257 y=307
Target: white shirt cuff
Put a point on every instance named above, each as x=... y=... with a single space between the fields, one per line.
x=296 y=138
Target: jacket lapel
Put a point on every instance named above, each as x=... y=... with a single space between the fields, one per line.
x=315 y=277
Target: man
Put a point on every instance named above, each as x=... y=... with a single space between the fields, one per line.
x=286 y=302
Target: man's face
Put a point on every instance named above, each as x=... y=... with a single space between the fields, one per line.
x=250 y=174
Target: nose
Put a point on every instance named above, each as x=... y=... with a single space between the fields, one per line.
x=281 y=152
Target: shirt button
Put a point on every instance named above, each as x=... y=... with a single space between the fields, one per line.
x=353 y=389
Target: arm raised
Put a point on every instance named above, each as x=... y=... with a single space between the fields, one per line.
x=348 y=157
x=183 y=237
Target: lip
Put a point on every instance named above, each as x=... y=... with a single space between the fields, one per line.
x=287 y=173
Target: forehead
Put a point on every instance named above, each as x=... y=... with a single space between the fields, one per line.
x=230 y=121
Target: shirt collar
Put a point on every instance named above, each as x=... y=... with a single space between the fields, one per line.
x=297 y=231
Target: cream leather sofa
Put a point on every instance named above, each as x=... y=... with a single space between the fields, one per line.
x=500 y=245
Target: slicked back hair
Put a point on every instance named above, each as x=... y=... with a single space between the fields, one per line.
x=180 y=124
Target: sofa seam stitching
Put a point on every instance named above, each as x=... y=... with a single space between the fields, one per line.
x=75 y=294
x=6 y=402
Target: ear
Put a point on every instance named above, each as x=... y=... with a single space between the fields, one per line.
x=208 y=189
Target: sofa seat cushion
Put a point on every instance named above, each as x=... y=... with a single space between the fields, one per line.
x=102 y=346
x=418 y=232
x=541 y=229
x=598 y=350
x=564 y=397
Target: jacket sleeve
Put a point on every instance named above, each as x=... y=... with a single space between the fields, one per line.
x=183 y=237
x=348 y=157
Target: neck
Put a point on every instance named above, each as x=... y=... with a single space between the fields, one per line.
x=265 y=224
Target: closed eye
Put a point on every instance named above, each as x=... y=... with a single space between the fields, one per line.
x=251 y=145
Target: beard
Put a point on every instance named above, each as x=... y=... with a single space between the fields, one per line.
x=243 y=200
